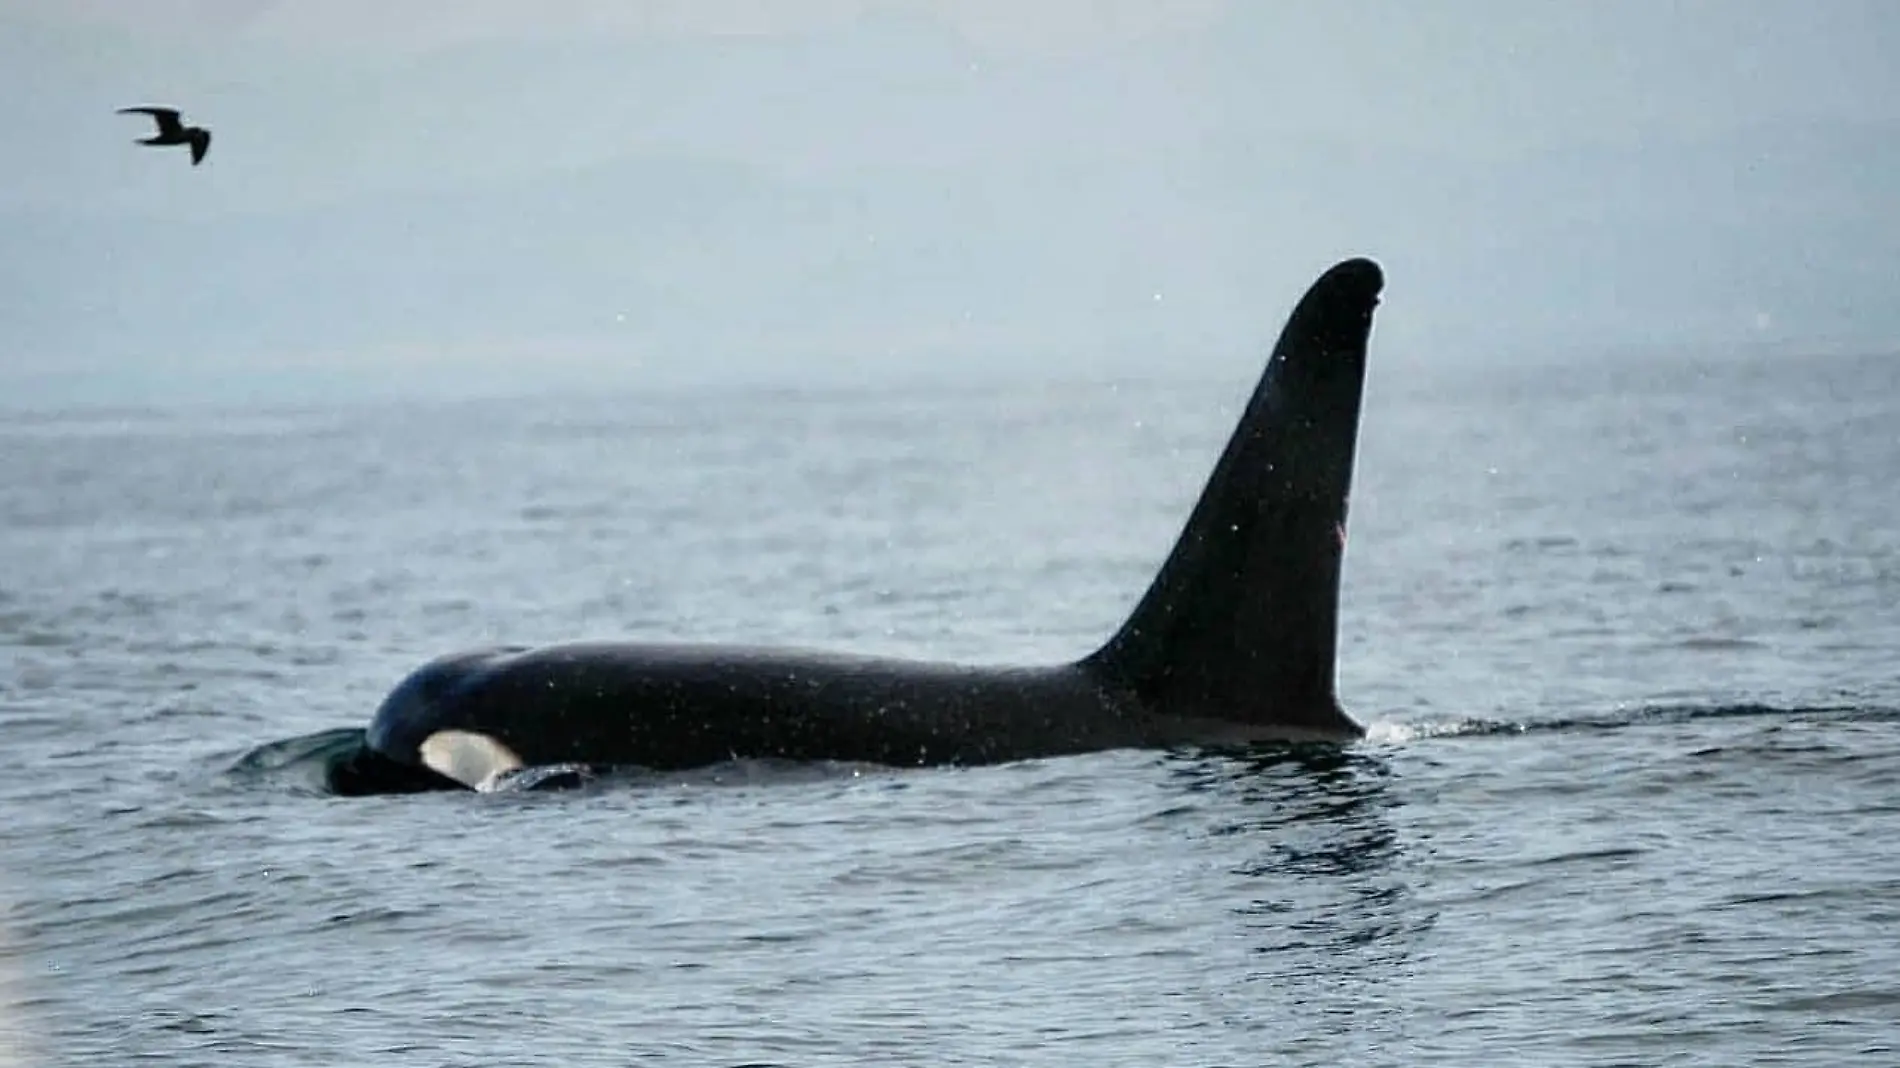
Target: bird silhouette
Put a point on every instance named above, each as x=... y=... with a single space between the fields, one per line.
x=173 y=132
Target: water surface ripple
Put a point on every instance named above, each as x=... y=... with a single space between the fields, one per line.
x=1625 y=633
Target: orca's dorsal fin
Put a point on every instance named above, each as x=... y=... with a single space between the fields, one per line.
x=1241 y=623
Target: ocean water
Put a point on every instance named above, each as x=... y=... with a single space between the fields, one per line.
x=1625 y=632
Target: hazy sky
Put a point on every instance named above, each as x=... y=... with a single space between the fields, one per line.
x=400 y=194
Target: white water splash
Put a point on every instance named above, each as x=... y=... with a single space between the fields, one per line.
x=1394 y=733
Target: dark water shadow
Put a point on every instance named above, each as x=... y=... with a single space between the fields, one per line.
x=1343 y=790
x=1318 y=867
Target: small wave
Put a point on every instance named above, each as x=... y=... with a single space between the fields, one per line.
x=1402 y=733
x=759 y=771
x=1710 y=644
x=1543 y=543
x=325 y=762
x=1585 y=856
x=1876 y=1001
x=332 y=762
x=273 y=757
x=1394 y=734
x=307 y=763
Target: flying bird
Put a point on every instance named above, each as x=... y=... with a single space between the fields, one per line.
x=173 y=132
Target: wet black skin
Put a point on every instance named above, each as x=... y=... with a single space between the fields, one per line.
x=1233 y=642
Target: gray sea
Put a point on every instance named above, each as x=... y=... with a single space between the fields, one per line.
x=1625 y=631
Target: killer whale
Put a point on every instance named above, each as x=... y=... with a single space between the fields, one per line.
x=1233 y=642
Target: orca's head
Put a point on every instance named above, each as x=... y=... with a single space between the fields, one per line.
x=424 y=723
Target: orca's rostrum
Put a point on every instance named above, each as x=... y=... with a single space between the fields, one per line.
x=1234 y=641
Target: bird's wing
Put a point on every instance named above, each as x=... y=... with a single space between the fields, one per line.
x=167 y=118
x=200 y=144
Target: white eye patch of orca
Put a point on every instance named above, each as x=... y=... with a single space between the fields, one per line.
x=474 y=760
